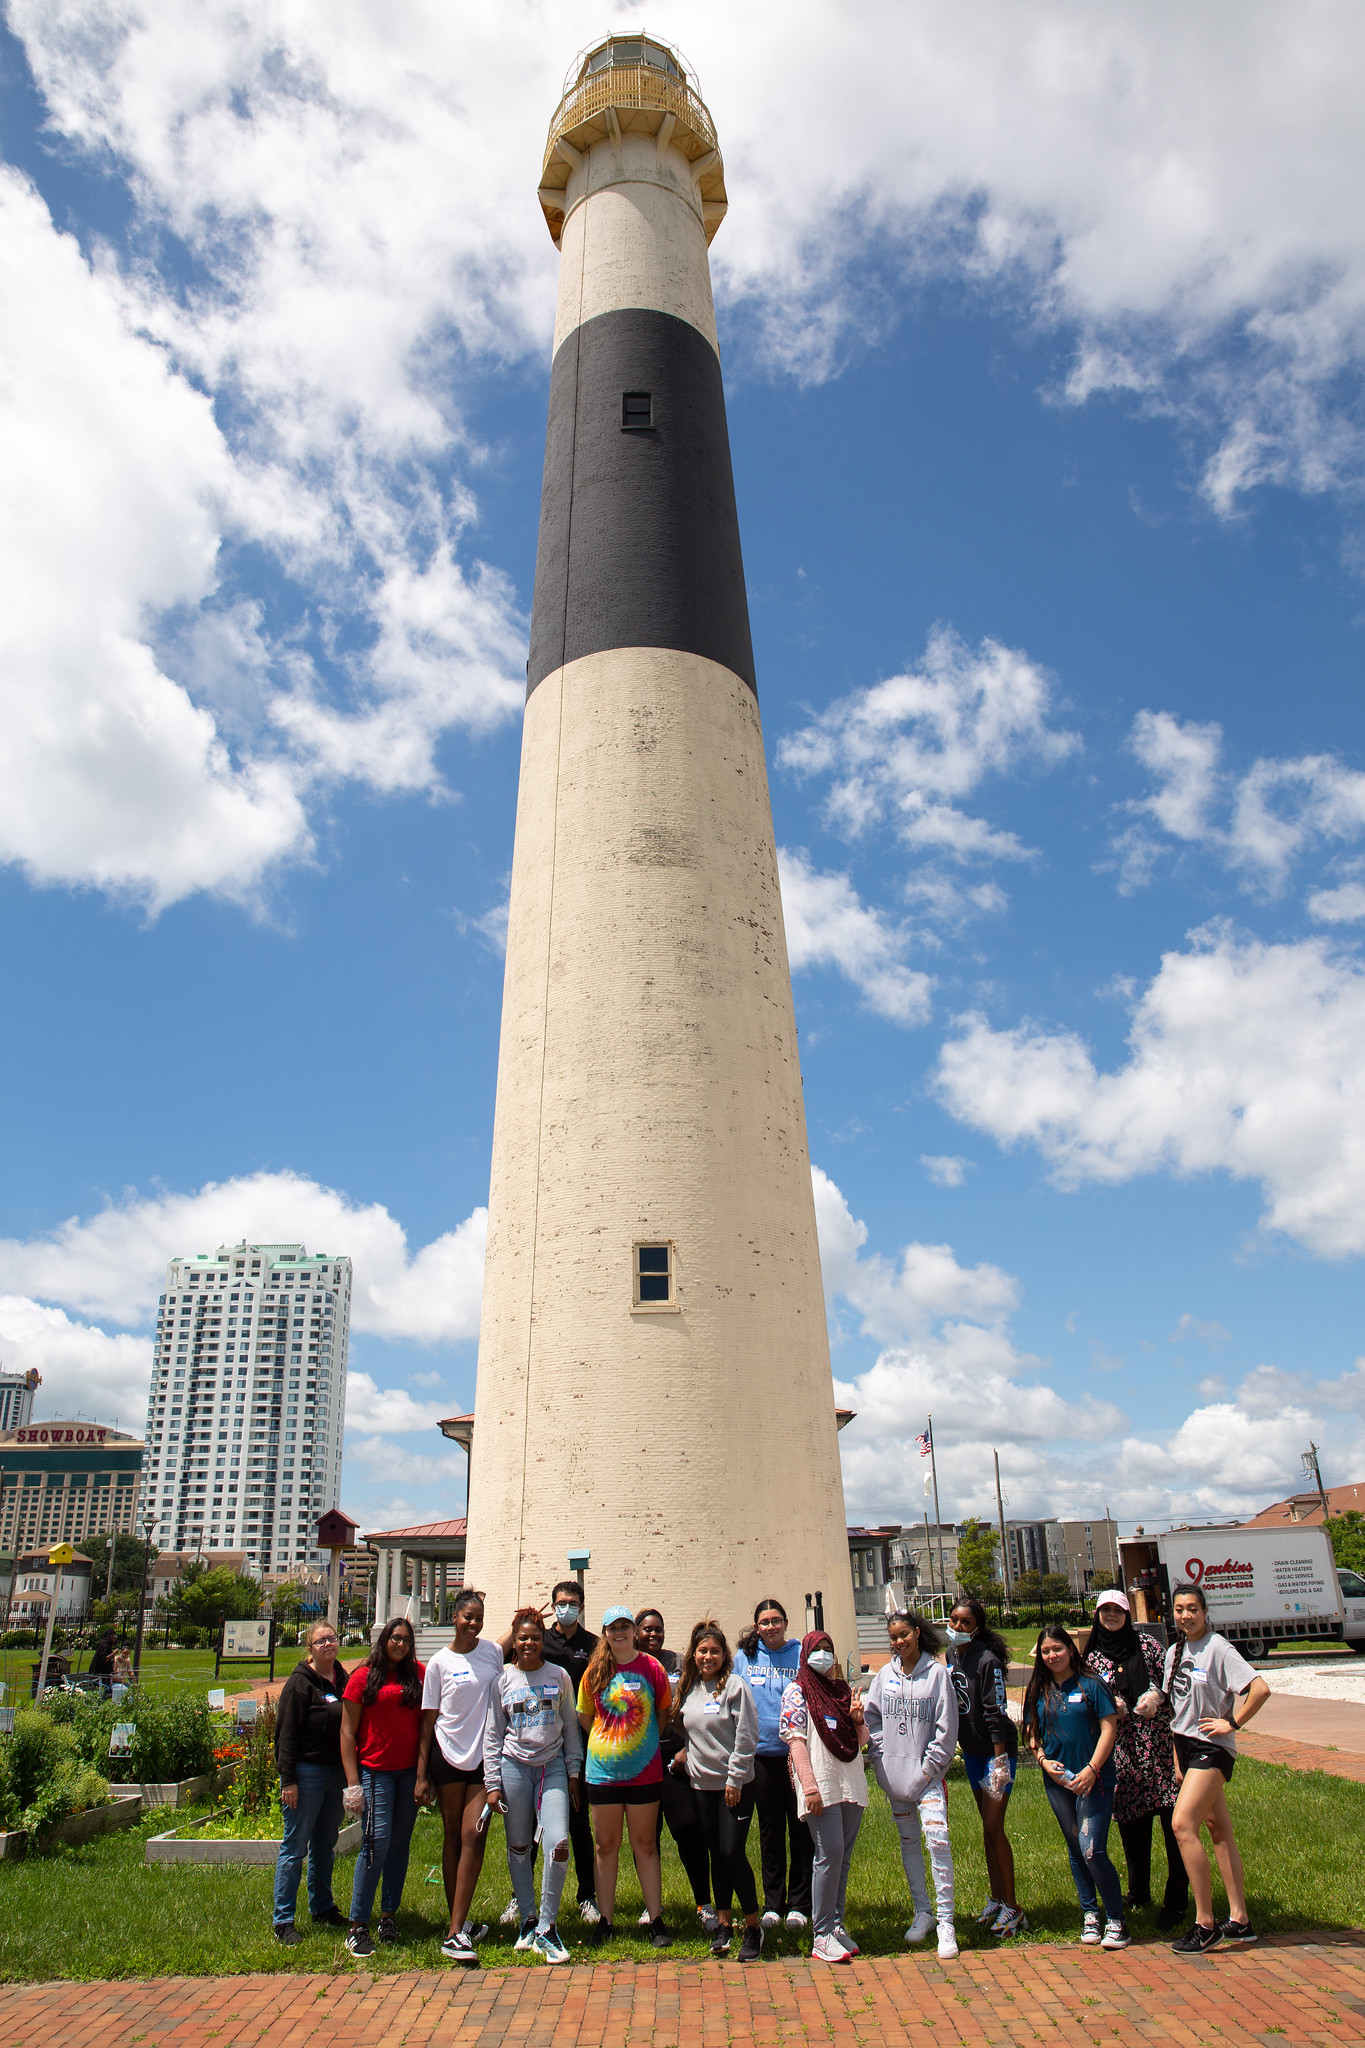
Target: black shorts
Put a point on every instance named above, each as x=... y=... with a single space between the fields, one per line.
x=625 y=1795
x=1194 y=1754
x=443 y=1772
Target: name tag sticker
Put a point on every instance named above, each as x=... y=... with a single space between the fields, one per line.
x=831 y=1721
x=1202 y=1676
x=549 y=1692
x=1077 y=1699
x=711 y=1707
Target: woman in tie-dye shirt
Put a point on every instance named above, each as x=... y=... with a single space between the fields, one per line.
x=623 y=1700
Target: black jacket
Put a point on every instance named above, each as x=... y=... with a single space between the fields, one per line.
x=308 y=1720
x=982 y=1702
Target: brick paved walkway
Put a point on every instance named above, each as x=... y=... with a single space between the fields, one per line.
x=1285 y=1992
x=1302 y=1756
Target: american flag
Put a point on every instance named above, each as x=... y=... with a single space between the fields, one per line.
x=926 y=1444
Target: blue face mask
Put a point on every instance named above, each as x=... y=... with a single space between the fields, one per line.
x=566 y=1611
x=958 y=1636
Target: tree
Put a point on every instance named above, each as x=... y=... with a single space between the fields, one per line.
x=204 y=1594
x=287 y=1601
x=129 y=1552
x=1347 y=1532
x=1043 y=1589
x=1102 y=1581
x=977 y=1571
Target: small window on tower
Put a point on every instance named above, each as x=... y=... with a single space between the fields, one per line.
x=653 y=1276
x=637 y=409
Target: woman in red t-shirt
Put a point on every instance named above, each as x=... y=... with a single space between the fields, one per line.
x=381 y=1720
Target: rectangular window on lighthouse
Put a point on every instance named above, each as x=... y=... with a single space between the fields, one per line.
x=637 y=409
x=653 y=1275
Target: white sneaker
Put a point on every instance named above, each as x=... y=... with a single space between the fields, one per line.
x=588 y=1911
x=645 y=1918
x=947 y=1942
x=796 y=1921
x=1090 y=1931
x=828 y=1950
x=510 y=1915
x=771 y=1919
x=842 y=1935
x=1116 y=1935
x=526 y=1939
x=920 y=1926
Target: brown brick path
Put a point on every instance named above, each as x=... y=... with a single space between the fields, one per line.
x=1297 y=1989
x=1301 y=1756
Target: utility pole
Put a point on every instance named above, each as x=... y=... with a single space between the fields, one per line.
x=938 y=1519
x=1310 y=1464
x=1004 y=1553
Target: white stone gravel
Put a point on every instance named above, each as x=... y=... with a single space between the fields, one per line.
x=1342 y=1679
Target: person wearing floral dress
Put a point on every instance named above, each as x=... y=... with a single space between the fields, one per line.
x=1130 y=1664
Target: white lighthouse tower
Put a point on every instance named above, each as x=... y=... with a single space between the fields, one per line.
x=654 y=1379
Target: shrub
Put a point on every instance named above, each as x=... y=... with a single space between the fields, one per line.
x=43 y=1776
x=255 y=1790
x=16 y=1638
x=173 y=1737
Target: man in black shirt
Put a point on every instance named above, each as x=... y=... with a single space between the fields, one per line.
x=569 y=1645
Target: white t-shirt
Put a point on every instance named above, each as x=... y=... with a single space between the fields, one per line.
x=1210 y=1676
x=458 y=1687
x=839 y=1783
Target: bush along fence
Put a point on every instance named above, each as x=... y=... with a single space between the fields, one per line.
x=72 y=1754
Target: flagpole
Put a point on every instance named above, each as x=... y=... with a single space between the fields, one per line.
x=938 y=1519
x=1004 y=1553
x=928 y=1546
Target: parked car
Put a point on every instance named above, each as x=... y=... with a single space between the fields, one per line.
x=1353 y=1597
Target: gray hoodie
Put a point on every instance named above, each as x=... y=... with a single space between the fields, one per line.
x=721 y=1730
x=911 y=1727
x=531 y=1717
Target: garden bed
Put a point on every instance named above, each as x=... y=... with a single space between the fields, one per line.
x=120 y=1812
x=187 y=1791
x=185 y=1846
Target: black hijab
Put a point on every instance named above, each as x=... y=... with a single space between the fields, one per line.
x=1123 y=1648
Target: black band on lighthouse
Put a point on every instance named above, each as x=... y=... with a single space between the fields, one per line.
x=639 y=537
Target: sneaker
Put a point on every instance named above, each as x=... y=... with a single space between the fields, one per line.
x=1010 y=1920
x=474 y=1930
x=644 y=1918
x=588 y=1911
x=796 y=1921
x=828 y=1950
x=287 y=1934
x=842 y=1935
x=990 y=1911
x=549 y=1947
x=1197 y=1941
x=659 y=1934
x=947 y=1942
x=604 y=1934
x=458 y=1948
x=1237 y=1931
x=526 y=1939
x=387 y=1931
x=709 y=1918
x=772 y=1918
x=510 y=1915
x=920 y=1926
x=1090 y=1930
x=333 y=1917
x=358 y=1942
x=720 y=1940
x=1116 y=1935
x=751 y=1948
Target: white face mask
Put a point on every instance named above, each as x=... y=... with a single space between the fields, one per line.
x=821 y=1661
x=566 y=1612
x=958 y=1636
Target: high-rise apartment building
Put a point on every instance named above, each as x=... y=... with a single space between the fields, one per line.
x=248 y=1401
x=16 y=1398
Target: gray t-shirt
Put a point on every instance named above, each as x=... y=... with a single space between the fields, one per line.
x=1211 y=1675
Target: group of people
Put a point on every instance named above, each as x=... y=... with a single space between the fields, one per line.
x=581 y=1742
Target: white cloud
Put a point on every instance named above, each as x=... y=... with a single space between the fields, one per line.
x=908 y=750
x=1245 y=1058
x=388 y=1411
x=1257 y=823
x=84 y=1369
x=113 y=1265
x=829 y=926
x=945 y=1170
x=372 y=1460
x=1210 y=1334
x=1343 y=905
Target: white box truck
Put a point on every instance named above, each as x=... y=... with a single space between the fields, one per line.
x=1263 y=1586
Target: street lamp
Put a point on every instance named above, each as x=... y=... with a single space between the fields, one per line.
x=148 y=1524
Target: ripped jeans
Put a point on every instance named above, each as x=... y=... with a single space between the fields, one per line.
x=1084 y=1818
x=525 y=1788
x=931 y=1814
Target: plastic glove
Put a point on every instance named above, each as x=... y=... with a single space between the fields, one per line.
x=1150 y=1703
x=996 y=1782
x=353 y=1800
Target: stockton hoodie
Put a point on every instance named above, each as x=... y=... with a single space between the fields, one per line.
x=911 y=1727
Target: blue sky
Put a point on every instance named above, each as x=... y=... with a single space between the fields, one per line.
x=1043 y=360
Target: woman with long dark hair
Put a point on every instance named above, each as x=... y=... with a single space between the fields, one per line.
x=381 y=1717
x=911 y=1713
x=532 y=1755
x=979 y=1661
x=721 y=1727
x=1130 y=1664
x=455 y=1696
x=1204 y=1679
x=624 y=1700
x=1071 y=1724
x=822 y=1726
x=768 y=1663
x=677 y=1805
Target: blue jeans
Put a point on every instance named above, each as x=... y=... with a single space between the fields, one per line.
x=521 y=1784
x=1084 y=1818
x=390 y=1816
x=310 y=1828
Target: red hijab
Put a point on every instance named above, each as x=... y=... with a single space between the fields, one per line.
x=828 y=1701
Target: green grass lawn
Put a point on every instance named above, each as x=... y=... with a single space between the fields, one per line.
x=100 y=1911
x=167 y=1670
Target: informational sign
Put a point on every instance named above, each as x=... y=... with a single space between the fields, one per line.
x=246 y=1639
x=246 y=1713
x=6 y=1720
x=217 y=1699
x=121 y=1740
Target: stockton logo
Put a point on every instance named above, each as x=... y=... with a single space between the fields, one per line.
x=1232 y=1574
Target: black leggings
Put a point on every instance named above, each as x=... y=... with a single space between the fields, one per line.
x=779 y=1829
x=677 y=1806
x=1136 y=1836
x=726 y=1829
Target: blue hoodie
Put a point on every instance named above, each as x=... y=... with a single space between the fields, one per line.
x=768 y=1676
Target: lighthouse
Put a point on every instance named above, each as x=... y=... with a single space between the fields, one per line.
x=653 y=1378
